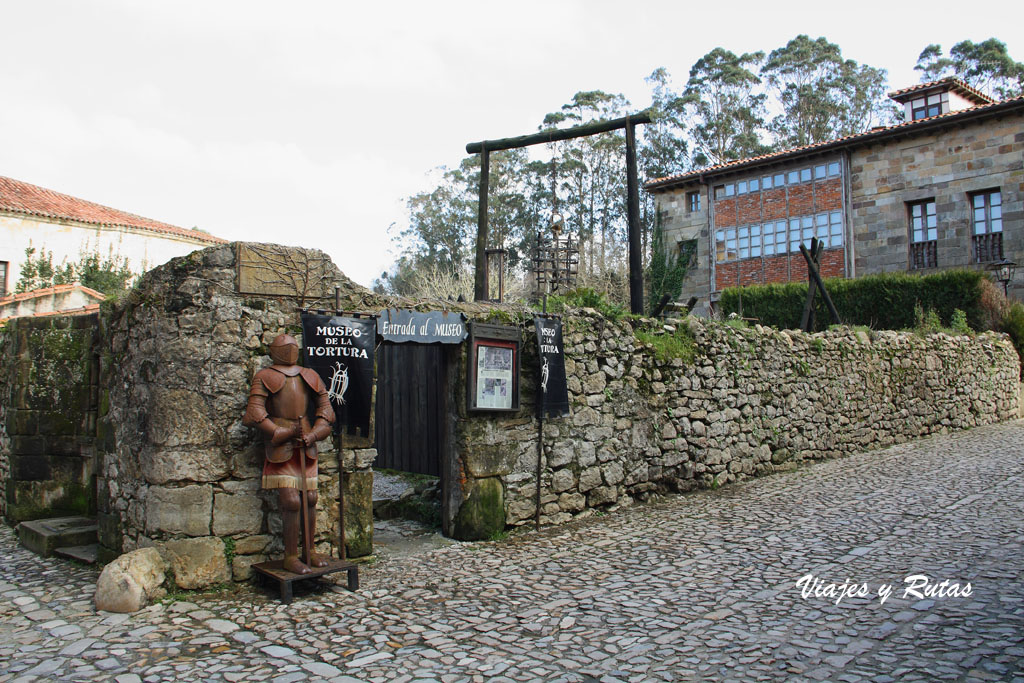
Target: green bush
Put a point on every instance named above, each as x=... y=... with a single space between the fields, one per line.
x=585 y=297
x=882 y=302
x=1013 y=325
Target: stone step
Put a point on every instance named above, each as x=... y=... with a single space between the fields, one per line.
x=44 y=536
x=82 y=553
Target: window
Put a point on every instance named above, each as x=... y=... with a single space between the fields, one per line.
x=924 y=234
x=780 y=179
x=835 y=223
x=754 y=187
x=766 y=182
x=692 y=201
x=833 y=168
x=987 y=226
x=794 y=177
x=932 y=105
x=3 y=278
x=719 y=191
x=741 y=187
x=743 y=246
x=725 y=245
x=805 y=175
x=755 y=241
x=820 y=172
x=730 y=190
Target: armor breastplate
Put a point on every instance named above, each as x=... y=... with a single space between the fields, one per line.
x=291 y=401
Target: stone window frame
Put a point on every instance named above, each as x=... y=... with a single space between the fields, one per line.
x=5 y=268
x=986 y=208
x=923 y=233
x=693 y=201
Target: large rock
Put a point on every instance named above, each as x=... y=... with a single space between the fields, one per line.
x=131 y=581
x=185 y=510
x=197 y=562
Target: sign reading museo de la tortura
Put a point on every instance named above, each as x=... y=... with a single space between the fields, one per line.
x=553 y=398
x=431 y=327
x=340 y=349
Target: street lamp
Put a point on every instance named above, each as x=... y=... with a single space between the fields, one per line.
x=1004 y=271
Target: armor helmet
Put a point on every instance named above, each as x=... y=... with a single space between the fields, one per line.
x=284 y=350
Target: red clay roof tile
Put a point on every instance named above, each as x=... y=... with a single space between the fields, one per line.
x=24 y=198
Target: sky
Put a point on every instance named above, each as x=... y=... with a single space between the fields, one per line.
x=311 y=123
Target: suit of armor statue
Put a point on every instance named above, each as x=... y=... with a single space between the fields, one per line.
x=290 y=405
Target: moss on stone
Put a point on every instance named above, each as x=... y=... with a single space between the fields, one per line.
x=482 y=514
x=359 y=513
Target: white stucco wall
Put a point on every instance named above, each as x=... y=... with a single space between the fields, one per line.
x=68 y=240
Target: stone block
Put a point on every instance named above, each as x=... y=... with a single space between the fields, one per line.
x=602 y=495
x=43 y=536
x=196 y=562
x=589 y=478
x=359 y=513
x=490 y=460
x=562 y=480
x=186 y=510
x=250 y=545
x=612 y=473
x=241 y=566
x=238 y=513
x=131 y=582
x=482 y=513
x=177 y=418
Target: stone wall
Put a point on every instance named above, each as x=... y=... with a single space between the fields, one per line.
x=747 y=402
x=48 y=402
x=176 y=462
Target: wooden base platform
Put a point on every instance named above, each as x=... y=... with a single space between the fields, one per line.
x=274 y=571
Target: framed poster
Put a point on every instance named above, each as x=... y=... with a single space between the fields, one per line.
x=493 y=368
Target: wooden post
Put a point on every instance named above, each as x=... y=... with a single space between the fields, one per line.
x=636 y=277
x=636 y=274
x=480 y=287
x=813 y=269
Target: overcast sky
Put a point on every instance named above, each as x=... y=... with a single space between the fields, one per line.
x=309 y=123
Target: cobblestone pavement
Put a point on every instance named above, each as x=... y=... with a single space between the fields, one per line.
x=701 y=586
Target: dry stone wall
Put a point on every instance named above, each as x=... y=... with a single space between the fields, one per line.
x=175 y=460
x=745 y=402
x=48 y=403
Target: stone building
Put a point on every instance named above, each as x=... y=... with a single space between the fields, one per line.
x=943 y=189
x=66 y=226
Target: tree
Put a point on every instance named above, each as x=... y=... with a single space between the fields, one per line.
x=822 y=95
x=667 y=270
x=728 y=111
x=109 y=275
x=986 y=66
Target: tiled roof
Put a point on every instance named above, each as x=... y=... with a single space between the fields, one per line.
x=952 y=82
x=47 y=291
x=868 y=136
x=84 y=310
x=20 y=197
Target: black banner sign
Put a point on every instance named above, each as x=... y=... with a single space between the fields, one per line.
x=340 y=349
x=432 y=327
x=553 y=398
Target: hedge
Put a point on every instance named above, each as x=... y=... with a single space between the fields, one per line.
x=883 y=302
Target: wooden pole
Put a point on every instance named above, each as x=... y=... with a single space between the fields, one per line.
x=341 y=493
x=636 y=274
x=821 y=285
x=480 y=285
x=556 y=134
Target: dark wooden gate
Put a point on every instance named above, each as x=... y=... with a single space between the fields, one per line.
x=411 y=407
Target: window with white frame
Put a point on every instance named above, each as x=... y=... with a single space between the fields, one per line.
x=924 y=233
x=987 y=226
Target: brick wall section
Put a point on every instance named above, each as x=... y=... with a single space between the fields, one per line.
x=48 y=408
x=946 y=166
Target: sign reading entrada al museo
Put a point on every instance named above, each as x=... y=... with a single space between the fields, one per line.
x=432 y=327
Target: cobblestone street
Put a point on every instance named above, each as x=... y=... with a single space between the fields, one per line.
x=701 y=586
